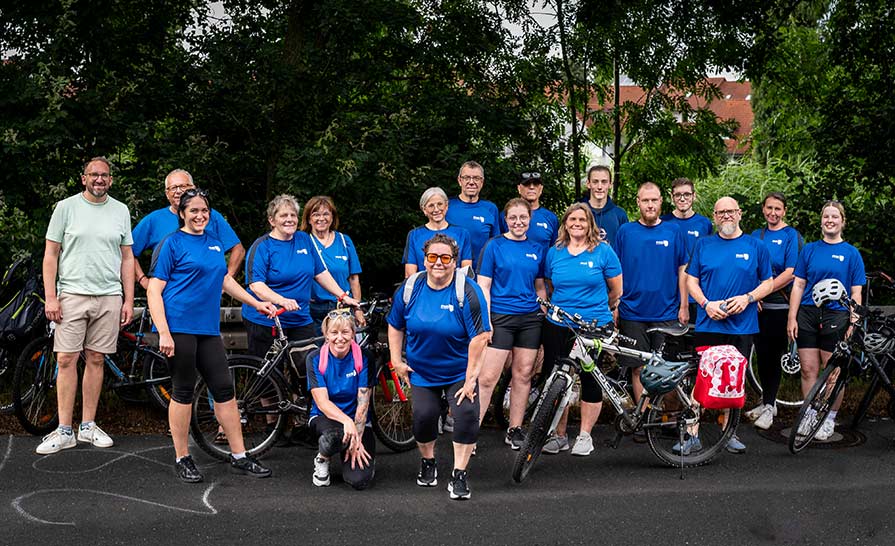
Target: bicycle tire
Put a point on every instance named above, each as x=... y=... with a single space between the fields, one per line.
x=711 y=426
x=790 y=392
x=538 y=431
x=257 y=397
x=392 y=419
x=820 y=398
x=7 y=371
x=155 y=366
x=34 y=387
x=873 y=389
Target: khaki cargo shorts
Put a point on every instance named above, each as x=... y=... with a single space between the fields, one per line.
x=88 y=322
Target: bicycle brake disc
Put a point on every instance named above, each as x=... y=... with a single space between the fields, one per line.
x=790 y=363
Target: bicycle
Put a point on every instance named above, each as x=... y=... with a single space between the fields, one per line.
x=679 y=431
x=874 y=386
x=870 y=346
x=34 y=381
x=271 y=391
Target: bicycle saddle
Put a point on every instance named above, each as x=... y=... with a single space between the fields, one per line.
x=678 y=330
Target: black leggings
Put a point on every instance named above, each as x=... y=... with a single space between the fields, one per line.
x=770 y=344
x=260 y=337
x=329 y=440
x=194 y=355
x=558 y=341
x=427 y=410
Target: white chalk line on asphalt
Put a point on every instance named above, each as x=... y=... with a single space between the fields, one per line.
x=7 y=454
x=17 y=503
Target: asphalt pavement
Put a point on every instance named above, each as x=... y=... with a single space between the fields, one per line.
x=128 y=494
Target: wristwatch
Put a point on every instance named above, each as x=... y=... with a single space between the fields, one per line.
x=751 y=298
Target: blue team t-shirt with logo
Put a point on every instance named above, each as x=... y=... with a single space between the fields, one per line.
x=286 y=267
x=579 y=282
x=193 y=268
x=783 y=245
x=544 y=228
x=481 y=219
x=438 y=330
x=727 y=268
x=341 y=382
x=340 y=259
x=821 y=260
x=418 y=236
x=159 y=223
x=513 y=267
x=693 y=228
x=650 y=256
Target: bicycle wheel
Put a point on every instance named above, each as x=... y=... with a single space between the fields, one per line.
x=7 y=370
x=707 y=431
x=258 y=399
x=392 y=419
x=790 y=392
x=817 y=406
x=539 y=429
x=34 y=387
x=156 y=367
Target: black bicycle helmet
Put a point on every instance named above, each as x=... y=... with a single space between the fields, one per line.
x=826 y=291
x=660 y=376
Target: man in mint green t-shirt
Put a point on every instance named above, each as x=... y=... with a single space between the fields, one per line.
x=88 y=271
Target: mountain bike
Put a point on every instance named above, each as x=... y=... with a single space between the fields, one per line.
x=272 y=392
x=871 y=346
x=679 y=431
x=876 y=279
x=137 y=372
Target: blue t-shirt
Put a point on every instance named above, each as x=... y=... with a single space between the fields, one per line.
x=417 y=237
x=286 y=267
x=193 y=266
x=579 y=282
x=158 y=223
x=481 y=219
x=513 y=267
x=783 y=245
x=608 y=219
x=727 y=268
x=821 y=260
x=340 y=259
x=341 y=382
x=693 y=228
x=438 y=330
x=650 y=257
x=544 y=228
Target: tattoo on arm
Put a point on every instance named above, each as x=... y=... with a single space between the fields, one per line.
x=363 y=404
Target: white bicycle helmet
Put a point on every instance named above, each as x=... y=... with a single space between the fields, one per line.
x=878 y=343
x=826 y=291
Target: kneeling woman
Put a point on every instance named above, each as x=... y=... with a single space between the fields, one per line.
x=340 y=382
x=187 y=273
x=447 y=327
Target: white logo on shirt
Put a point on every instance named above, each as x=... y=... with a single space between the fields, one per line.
x=352 y=373
x=479 y=218
x=448 y=307
x=694 y=233
x=216 y=248
x=301 y=251
x=342 y=258
x=542 y=224
x=662 y=243
x=744 y=256
x=777 y=241
x=532 y=256
x=588 y=264
x=839 y=257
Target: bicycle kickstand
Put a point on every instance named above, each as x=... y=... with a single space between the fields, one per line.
x=613 y=443
x=681 y=428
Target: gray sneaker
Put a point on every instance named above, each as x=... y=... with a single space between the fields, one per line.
x=555 y=444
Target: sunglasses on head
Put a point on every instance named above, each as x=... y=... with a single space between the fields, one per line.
x=445 y=258
x=339 y=313
x=189 y=194
x=530 y=177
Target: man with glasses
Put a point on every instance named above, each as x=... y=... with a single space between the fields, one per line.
x=544 y=226
x=728 y=274
x=607 y=215
x=477 y=216
x=89 y=288
x=159 y=223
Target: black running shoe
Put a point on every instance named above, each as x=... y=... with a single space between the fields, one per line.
x=459 y=485
x=187 y=471
x=515 y=438
x=249 y=466
x=428 y=476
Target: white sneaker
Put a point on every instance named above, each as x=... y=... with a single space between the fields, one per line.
x=584 y=445
x=756 y=412
x=94 y=435
x=807 y=423
x=765 y=418
x=826 y=430
x=321 y=471
x=56 y=441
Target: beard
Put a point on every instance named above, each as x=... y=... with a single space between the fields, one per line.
x=728 y=229
x=98 y=193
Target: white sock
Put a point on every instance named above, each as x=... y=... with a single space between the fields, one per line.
x=238 y=456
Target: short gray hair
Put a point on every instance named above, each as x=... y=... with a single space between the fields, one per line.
x=279 y=202
x=178 y=171
x=471 y=165
x=430 y=193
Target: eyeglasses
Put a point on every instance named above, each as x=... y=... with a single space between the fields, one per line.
x=180 y=188
x=193 y=192
x=683 y=196
x=102 y=176
x=468 y=178
x=437 y=205
x=339 y=313
x=324 y=214
x=445 y=258
x=730 y=213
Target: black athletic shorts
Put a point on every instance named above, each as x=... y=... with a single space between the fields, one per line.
x=510 y=331
x=821 y=328
x=645 y=342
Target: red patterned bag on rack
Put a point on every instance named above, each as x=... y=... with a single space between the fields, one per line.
x=719 y=383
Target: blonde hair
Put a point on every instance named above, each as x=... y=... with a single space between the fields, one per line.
x=338 y=321
x=593 y=236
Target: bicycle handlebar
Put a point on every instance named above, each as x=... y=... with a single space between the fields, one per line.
x=607 y=331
